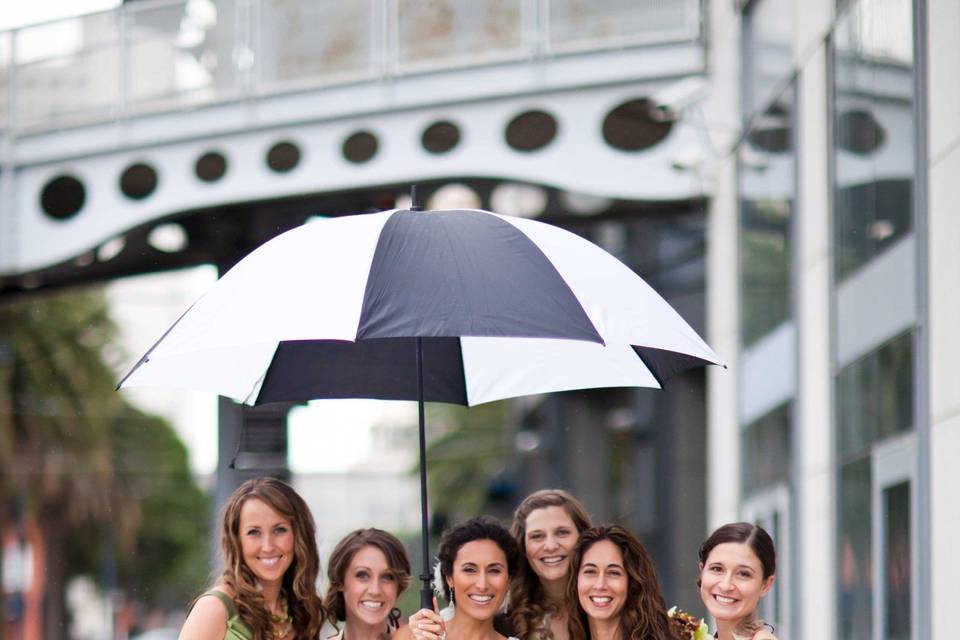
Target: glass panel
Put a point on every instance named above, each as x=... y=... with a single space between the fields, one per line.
x=325 y=40
x=856 y=543
x=68 y=71
x=875 y=396
x=897 y=579
x=766 y=450
x=768 y=51
x=185 y=52
x=603 y=23
x=767 y=191
x=65 y=91
x=874 y=129
x=6 y=39
x=773 y=606
x=453 y=32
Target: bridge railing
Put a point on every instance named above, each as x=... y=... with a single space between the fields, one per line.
x=161 y=55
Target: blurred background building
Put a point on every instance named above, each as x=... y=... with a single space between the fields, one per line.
x=780 y=171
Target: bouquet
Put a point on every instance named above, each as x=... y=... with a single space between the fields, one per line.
x=687 y=626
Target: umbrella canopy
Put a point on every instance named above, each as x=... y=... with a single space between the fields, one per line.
x=504 y=307
x=457 y=306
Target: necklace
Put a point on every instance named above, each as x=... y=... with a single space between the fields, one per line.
x=282 y=623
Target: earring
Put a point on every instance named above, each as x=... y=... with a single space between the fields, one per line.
x=393 y=619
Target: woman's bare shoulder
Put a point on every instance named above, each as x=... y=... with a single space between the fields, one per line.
x=207 y=620
x=764 y=634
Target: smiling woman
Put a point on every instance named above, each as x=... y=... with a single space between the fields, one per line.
x=367 y=572
x=737 y=568
x=478 y=558
x=268 y=587
x=614 y=582
x=546 y=526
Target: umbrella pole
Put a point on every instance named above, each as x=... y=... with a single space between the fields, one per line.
x=426 y=592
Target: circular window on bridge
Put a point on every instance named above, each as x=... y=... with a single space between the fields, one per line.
x=440 y=137
x=770 y=132
x=531 y=130
x=283 y=157
x=138 y=181
x=859 y=132
x=63 y=197
x=211 y=166
x=360 y=147
x=630 y=127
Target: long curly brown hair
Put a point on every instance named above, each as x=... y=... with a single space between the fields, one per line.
x=341 y=557
x=528 y=603
x=300 y=579
x=644 y=614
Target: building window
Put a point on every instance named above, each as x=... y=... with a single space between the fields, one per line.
x=874 y=131
x=766 y=451
x=874 y=151
x=767 y=195
x=767 y=52
x=875 y=396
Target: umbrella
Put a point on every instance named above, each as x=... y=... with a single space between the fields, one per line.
x=456 y=306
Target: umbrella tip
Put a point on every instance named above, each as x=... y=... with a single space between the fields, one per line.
x=415 y=203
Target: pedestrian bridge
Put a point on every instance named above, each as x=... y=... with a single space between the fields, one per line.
x=172 y=132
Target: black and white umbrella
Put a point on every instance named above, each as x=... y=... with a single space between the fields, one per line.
x=456 y=306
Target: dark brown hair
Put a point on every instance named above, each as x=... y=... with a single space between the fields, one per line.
x=644 y=614
x=528 y=605
x=479 y=528
x=744 y=533
x=342 y=556
x=300 y=579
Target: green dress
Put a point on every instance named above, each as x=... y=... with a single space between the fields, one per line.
x=236 y=629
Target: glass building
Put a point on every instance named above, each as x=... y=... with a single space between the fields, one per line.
x=836 y=196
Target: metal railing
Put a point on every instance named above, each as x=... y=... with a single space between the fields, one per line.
x=161 y=55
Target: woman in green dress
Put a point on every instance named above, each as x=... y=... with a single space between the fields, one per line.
x=268 y=588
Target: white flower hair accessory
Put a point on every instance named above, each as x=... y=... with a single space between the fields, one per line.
x=438 y=580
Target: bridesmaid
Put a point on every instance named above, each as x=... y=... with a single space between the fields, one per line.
x=738 y=565
x=546 y=526
x=614 y=583
x=367 y=572
x=268 y=588
x=478 y=558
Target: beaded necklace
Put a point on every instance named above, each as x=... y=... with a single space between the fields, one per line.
x=282 y=623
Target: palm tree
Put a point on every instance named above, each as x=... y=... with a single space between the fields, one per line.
x=56 y=404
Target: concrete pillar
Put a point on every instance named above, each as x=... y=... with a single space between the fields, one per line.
x=943 y=264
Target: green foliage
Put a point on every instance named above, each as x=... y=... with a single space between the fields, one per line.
x=58 y=394
x=108 y=484
x=170 y=562
x=470 y=453
x=166 y=561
